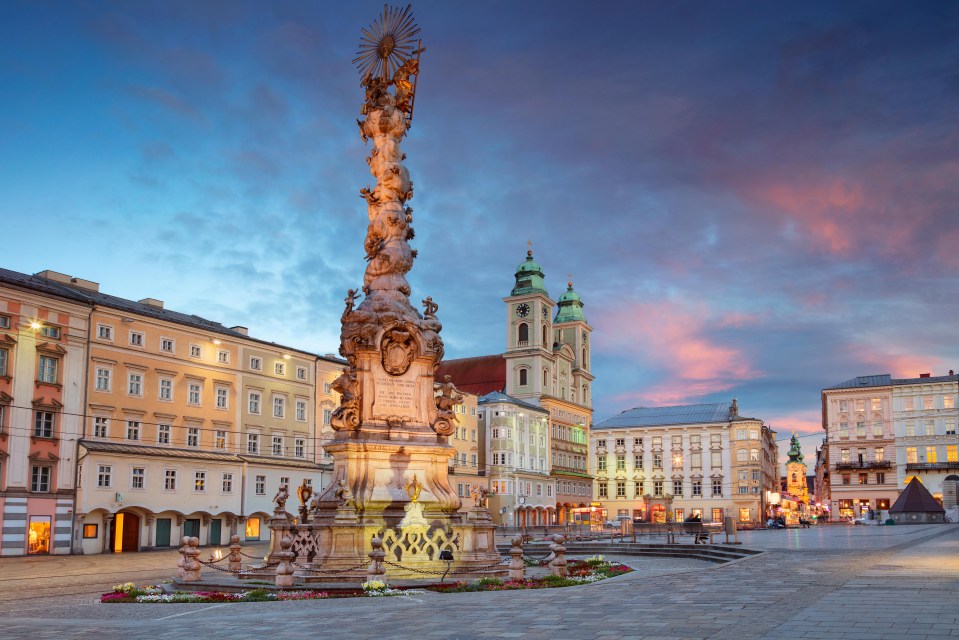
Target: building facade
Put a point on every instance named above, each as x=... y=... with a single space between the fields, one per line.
x=523 y=494
x=924 y=421
x=547 y=363
x=43 y=341
x=667 y=463
x=464 y=467
x=166 y=423
x=860 y=438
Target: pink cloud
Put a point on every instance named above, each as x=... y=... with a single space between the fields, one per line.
x=674 y=338
x=898 y=364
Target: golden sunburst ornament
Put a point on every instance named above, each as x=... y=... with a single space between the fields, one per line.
x=387 y=43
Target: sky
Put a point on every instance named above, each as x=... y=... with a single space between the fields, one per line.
x=754 y=199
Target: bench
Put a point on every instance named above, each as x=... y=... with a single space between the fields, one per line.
x=700 y=532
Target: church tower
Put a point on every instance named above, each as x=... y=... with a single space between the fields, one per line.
x=530 y=365
x=570 y=328
x=796 y=472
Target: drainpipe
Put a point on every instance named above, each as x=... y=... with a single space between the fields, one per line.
x=242 y=497
x=75 y=547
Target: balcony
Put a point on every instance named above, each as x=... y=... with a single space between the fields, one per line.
x=872 y=464
x=932 y=466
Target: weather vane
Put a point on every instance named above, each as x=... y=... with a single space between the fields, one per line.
x=387 y=57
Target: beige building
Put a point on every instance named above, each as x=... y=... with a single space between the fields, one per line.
x=464 y=466
x=667 y=463
x=857 y=419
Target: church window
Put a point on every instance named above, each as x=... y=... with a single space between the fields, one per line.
x=584 y=357
x=523 y=336
x=545 y=378
x=546 y=335
x=522 y=377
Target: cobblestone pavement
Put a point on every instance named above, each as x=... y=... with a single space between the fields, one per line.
x=832 y=582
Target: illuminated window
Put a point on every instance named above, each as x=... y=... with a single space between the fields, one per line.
x=932 y=456
x=252 y=528
x=39 y=535
x=860 y=404
x=930 y=427
x=912 y=456
x=90 y=530
x=754 y=455
x=863 y=478
x=910 y=428
x=907 y=404
x=927 y=403
x=879 y=454
x=717 y=515
x=844 y=455
x=948 y=402
x=876 y=404
x=952 y=453
x=199 y=481
x=219 y=441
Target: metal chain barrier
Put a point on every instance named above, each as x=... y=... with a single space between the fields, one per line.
x=213 y=566
x=311 y=570
x=246 y=555
x=220 y=560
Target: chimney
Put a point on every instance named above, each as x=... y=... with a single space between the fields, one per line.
x=951 y=372
x=244 y=330
x=152 y=302
x=89 y=285
x=925 y=375
x=56 y=276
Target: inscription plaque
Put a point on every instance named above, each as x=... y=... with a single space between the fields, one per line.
x=394 y=396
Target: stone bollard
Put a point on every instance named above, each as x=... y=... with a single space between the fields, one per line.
x=517 y=568
x=191 y=565
x=377 y=555
x=184 y=545
x=236 y=560
x=558 y=565
x=284 y=570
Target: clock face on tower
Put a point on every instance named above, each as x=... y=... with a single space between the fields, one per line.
x=522 y=310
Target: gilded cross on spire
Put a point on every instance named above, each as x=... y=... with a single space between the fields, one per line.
x=570 y=280
x=529 y=245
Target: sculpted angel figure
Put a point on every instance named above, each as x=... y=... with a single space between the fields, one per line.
x=449 y=396
x=401 y=80
x=431 y=308
x=344 y=495
x=350 y=300
x=282 y=495
x=480 y=495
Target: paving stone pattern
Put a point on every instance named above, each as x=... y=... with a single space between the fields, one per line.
x=830 y=582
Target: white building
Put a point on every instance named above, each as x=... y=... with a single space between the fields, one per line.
x=518 y=459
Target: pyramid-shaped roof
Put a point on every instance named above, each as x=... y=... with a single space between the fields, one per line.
x=915 y=498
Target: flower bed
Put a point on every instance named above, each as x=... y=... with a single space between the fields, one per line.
x=130 y=593
x=585 y=571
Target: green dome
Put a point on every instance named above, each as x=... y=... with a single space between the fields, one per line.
x=529 y=277
x=570 y=307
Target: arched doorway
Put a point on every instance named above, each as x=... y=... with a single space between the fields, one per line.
x=657 y=513
x=125 y=532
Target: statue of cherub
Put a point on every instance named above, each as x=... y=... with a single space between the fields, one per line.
x=480 y=495
x=430 y=309
x=282 y=495
x=449 y=397
x=344 y=495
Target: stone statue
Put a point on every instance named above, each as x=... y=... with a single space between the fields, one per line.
x=413 y=489
x=344 y=495
x=480 y=495
x=347 y=415
x=282 y=495
x=350 y=300
x=401 y=81
x=304 y=492
x=448 y=398
x=431 y=307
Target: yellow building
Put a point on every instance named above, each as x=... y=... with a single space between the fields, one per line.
x=464 y=465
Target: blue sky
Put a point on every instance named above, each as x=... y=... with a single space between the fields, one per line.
x=755 y=199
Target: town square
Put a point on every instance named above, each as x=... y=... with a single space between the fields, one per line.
x=647 y=321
